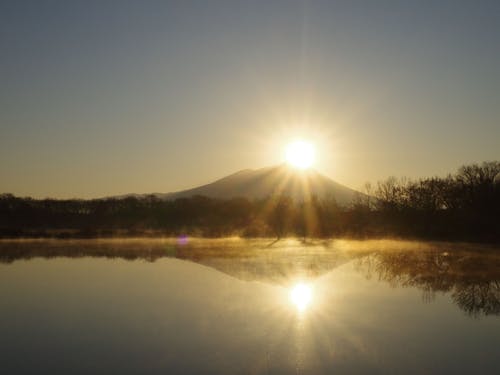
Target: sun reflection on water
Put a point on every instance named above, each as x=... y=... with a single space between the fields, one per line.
x=301 y=296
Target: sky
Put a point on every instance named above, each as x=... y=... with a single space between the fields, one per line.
x=101 y=98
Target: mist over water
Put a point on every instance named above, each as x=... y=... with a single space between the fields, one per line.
x=237 y=306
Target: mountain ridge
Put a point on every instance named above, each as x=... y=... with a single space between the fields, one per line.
x=265 y=182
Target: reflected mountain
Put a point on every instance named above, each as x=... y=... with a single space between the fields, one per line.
x=250 y=260
x=470 y=274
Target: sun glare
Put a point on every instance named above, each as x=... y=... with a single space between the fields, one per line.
x=300 y=154
x=301 y=296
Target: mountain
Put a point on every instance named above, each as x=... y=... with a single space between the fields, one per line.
x=264 y=182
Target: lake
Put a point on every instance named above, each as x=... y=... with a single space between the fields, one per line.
x=192 y=306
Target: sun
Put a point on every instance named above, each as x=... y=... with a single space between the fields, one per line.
x=300 y=154
x=301 y=296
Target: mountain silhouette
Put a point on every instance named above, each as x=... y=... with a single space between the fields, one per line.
x=261 y=183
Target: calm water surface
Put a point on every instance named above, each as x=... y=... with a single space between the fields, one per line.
x=243 y=307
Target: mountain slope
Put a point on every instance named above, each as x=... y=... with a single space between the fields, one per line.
x=261 y=183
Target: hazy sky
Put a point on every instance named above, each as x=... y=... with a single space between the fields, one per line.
x=102 y=98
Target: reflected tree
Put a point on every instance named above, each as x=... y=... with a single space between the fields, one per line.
x=471 y=278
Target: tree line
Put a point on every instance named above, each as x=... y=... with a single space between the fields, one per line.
x=463 y=206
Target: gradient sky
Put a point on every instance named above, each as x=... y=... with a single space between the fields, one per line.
x=102 y=98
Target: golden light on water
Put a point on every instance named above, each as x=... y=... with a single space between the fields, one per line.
x=300 y=154
x=301 y=296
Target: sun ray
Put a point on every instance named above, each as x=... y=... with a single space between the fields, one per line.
x=283 y=181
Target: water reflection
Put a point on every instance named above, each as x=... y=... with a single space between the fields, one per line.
x=470 y=274
x=240 y=307
x=471 y=278
x=301 y=295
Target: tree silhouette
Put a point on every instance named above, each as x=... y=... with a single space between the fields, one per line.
x=463 y=206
